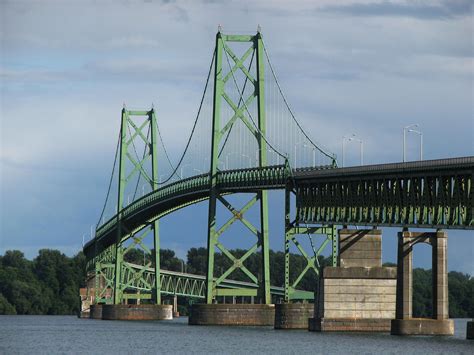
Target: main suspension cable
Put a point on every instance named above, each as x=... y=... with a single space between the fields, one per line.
x=195 y=123
x=110 y=180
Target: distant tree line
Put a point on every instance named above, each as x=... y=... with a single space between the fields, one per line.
x=49 y=284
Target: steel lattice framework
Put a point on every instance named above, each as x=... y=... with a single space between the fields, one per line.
x=431 y=194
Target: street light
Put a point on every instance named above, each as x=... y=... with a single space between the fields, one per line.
x=405 y=129
x=296 y=144
x=257 y=158
x=277 y=155
x=421 y=141
x=361 y=149
x=250 y=159
x=344 y=138
x=159 y=178
x=182 y=168
x=227 y=158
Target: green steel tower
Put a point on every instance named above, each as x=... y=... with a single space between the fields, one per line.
x=223 y=50
x=132 y=128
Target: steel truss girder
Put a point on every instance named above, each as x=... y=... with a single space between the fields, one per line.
x=294 y=228
x=138 y=280
x=423 y=200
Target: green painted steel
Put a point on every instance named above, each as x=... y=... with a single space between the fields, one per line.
x=183 y=193
x=428 y=194
x=431 y=194
x=223 y=50
x=138 y=283
x=155 y=225
x=130 y=131
x=293 y=228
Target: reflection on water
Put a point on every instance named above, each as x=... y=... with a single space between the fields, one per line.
x=67 y=334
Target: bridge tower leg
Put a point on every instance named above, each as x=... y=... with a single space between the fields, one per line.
x=223 y=52
x=131 y=130
x=120 y=198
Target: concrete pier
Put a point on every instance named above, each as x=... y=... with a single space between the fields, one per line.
x=232 y=314
x=96 y=311
x=405 y=324
x=359 y=295
x=137 y=312
x=293 y=315
x=470 y=330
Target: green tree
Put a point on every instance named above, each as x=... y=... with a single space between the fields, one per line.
x=5 y=306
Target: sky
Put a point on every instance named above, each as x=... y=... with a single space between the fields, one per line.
x=363 y=67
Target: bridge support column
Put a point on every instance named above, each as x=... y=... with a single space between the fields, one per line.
x=470 y=330
x=358 y=294
x=175 y=307
x=405 y=324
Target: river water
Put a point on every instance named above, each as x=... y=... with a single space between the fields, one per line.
x=68 y=334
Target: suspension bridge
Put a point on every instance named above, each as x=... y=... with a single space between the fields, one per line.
x=246 y=140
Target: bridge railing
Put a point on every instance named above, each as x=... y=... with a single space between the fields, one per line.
x=270 y=177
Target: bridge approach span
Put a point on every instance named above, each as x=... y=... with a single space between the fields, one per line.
x=433 y=193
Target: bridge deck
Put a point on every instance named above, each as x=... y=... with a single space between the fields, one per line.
x=434 y=193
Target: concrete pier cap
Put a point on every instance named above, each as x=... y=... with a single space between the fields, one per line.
x=137 y=312
x=232 y=314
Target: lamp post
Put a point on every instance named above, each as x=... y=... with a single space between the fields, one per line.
x=159 y=178
x=344 y=138
x=250 y=159
x=421 y=141
x=182 y=169
x=296 y=144
x=277 y=155
x=405 y=129
x=361 y=149
x=227 y=159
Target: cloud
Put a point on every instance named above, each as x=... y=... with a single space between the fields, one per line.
x=66 y=69
x=424 y=10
